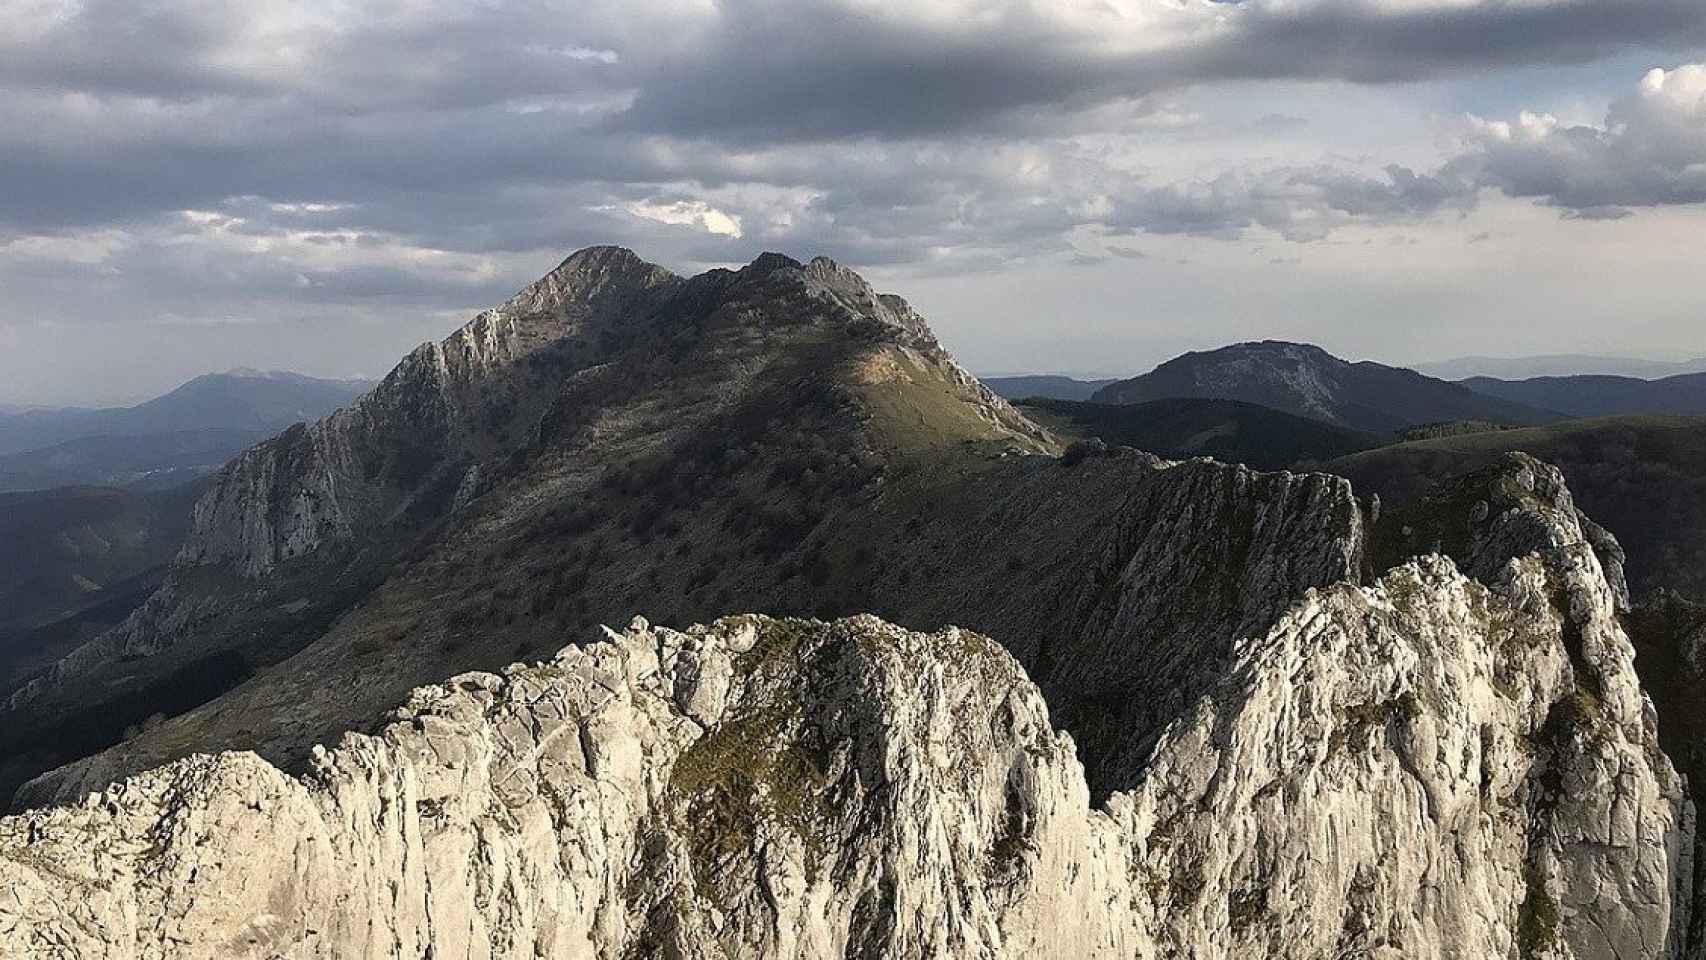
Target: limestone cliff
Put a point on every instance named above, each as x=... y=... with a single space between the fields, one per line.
x=1431 y=766
x=342 y=475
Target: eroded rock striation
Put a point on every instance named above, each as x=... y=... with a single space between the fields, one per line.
x=1430 y=766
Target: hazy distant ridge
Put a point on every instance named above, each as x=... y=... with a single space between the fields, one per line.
x=1594 y=396
x=1049 y=386
x=184 y=433
x=1557 y=365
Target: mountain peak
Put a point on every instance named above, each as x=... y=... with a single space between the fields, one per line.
x=603 y=254
x=1261 y=348
x=769 y=262
x=586 y=275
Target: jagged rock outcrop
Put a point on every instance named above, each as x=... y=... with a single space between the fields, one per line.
x=756 y=788
x=1198 y=556
x=1431 y=766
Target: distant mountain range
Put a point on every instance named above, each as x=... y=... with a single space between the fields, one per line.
x=1307 y=381
x=1557 y=365
x=1050 y=387
x=185 y=433
x=1601 y=396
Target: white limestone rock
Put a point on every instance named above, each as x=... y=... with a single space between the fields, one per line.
x=1385 y=773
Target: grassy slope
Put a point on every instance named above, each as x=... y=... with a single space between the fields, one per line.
x=1228 y=430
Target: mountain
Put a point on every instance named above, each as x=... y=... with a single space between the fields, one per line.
x=1054 y=388
x=1427 y=766
x=1600 y=396
x=1557 y=365
x=777 y=438
x=243 y=401
x=1227 y=430
x=1310 y=382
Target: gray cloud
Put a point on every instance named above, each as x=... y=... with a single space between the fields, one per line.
x=119 y=110
x=195 y=163
x=1651 y=151
x=816 y=69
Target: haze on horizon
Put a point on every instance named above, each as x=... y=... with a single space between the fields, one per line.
x=1085 y=187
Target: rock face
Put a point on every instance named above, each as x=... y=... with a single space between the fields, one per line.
x=1197 y=558
x=757 y=788
x=343 y=475
x=1431 y=766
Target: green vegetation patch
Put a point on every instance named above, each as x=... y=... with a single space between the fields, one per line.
x=752 y=768
x=1537 y=917
x=920 y=414
x=766 y=764
x=1358 y=722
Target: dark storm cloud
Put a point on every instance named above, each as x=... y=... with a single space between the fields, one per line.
x=774 y=71
x=1396 y=41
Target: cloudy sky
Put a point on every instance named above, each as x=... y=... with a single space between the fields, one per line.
x=1090 y=187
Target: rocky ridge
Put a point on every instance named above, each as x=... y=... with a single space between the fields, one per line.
x=1429 y=766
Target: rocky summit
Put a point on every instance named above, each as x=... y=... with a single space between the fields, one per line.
x=1007 y=697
